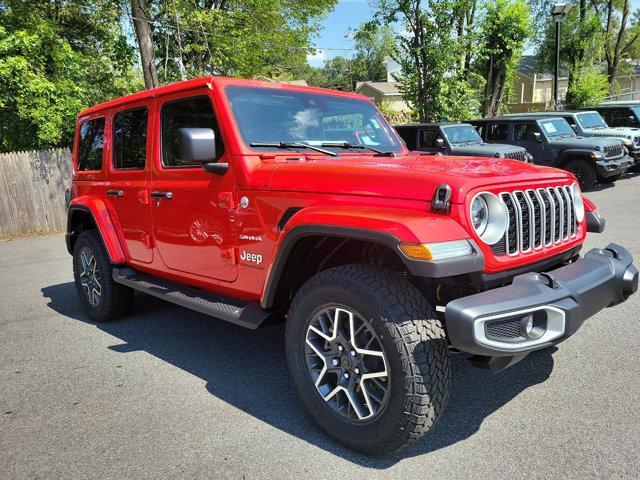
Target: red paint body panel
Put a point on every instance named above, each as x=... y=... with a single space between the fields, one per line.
x=205 y=238
x=109 y=231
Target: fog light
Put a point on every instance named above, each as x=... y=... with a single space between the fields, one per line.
x=534 y=324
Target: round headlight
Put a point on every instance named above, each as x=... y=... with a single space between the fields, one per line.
x=578 y=203
x=488 y=217
x=479 y=215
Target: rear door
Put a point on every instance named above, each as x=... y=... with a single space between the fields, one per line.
x=427 y=139
x=496 y=133
x=128 y=178
x=193 y=210
x=524 y=135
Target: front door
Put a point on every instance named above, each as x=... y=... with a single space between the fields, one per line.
x=192 y=210
x=528 y=135
x=128 y=178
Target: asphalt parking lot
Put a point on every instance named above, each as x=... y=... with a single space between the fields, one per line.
x=170 y=393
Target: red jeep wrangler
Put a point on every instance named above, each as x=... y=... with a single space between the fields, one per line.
x=255 y=202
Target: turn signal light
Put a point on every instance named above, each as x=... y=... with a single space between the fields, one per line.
x=437 y=250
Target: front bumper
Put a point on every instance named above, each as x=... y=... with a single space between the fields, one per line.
x=635 y=155
x=492 y=323
x=607 y=167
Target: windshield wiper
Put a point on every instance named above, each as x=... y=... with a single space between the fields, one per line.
x=347 y=145
x=284 y=145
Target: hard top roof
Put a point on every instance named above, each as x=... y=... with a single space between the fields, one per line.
x=211 y=82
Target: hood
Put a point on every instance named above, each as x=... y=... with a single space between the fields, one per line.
x=485 y=149
x=594 y=143
x=620 y=132
x=411 y=177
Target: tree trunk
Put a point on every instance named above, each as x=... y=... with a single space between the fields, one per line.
x=145 y=43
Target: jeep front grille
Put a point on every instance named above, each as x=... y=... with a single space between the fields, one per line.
x=516 y=155
x=612 y=151
x=536 y=218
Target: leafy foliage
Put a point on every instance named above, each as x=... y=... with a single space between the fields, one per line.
x=505 y=26
x=56 y=59
x=589 y=87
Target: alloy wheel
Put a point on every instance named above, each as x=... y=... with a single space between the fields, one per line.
x=347 y=364
x=90 y=276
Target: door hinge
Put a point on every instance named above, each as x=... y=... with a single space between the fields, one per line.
x=225 y=200
x=228 y=255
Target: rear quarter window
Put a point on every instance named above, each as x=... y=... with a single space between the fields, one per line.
x=130 y=139
x=91 y=145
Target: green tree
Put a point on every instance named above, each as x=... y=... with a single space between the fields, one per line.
x=590 y=86
x=57 y=58
x=242 y=38
x=429 y=52
x=373 y=44
x=504 y=27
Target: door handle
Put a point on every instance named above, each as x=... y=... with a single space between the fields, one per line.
x=115 y=193
x=167 y=195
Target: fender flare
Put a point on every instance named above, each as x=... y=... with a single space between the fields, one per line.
x=105 y=226
x=385 y=227
x=580 y=154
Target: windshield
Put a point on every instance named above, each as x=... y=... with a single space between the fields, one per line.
x=558 y=127
x=591 y=120
x=636 y=112
x=459 y=134
x=269 y=115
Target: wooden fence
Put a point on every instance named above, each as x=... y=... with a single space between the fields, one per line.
x=32 y=191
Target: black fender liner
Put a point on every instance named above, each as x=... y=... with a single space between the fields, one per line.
x=574 y=154
x=430 y=269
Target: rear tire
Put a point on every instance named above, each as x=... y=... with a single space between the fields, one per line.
x=584 y=172
x=101 y=298
x=414 y=357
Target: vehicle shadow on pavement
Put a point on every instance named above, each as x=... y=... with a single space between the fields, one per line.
x=247 y=369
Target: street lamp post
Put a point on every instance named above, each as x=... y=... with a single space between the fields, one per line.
x=558 y=12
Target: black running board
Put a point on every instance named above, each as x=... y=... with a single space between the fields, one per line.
x=247 y=314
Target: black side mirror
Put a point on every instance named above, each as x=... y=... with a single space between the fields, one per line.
x=198 y=146
x=537 y=137
x=439 y=142
x=574 y=127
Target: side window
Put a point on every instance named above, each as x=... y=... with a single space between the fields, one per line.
x=524 y=132
x=195 y=112
x=90 y=145
x=427 y=138
x=570 y=120
x=130 y=139
x=497 y=132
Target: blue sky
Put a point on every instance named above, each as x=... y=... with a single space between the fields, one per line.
x=347 y=14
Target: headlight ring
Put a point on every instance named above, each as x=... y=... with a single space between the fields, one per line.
x=488 y=217
x=578 y=202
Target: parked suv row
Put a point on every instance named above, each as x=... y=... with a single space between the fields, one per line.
x=455 y=139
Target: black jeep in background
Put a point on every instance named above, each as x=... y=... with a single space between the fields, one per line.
x=552 y=142
x=619 y=114
x=455 y=139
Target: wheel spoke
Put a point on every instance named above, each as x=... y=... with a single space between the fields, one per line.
x=345 y=374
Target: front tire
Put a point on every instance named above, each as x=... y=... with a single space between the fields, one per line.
x=395 y=390
x=101 y=298
x=584 y=172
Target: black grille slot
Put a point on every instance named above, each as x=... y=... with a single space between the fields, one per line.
x=556 y=214
x=503 y=329
x=537 y=218
x=512 y=231
x=612 y=150
x=525 y=232
x=572 y=216
x=547 y=216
